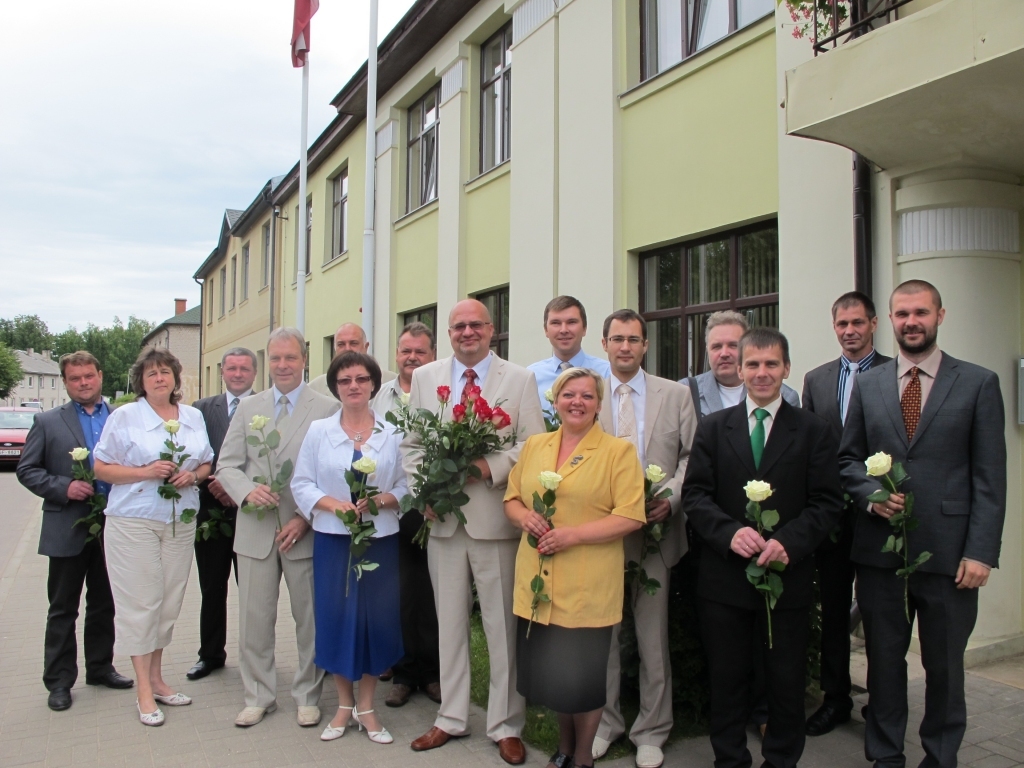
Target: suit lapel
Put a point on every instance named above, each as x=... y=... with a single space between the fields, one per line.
x=709 y=388
x=652 y=407
x=739 y=438
x=604 y=418
x=220 y=415
x=70 y=416
x=779 y=439
x=890 y=387
x=833 y=413
x=495 y=376
x=298 y=416
x=940 y=389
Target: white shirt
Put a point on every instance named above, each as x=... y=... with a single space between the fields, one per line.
x=230 y=398
x=293 y=398
x=387 y=398
x=772 y=408
x=134 y=436
x=326 y=454
x=639 y=396
x=459 y=382
x=731 y=395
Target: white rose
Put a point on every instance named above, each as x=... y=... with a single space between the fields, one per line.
x=879 y=464
x=404 y=398
x=549 y=395
x=549 y=480
x=757 y=490
x=80 y=454
x=258 y=423
x=654 y=473
x=366 y=465
x=172 y=426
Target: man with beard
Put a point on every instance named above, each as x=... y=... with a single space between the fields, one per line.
x=942 y=419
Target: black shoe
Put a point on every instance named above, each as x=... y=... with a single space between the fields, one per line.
x=202 y=668
x=111 y=680
x=59 y=700
x=826 y=719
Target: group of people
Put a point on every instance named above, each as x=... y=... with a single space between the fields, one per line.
x=636 y=467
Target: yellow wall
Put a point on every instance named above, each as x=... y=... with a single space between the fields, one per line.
x=487 y=233
x=415 y=245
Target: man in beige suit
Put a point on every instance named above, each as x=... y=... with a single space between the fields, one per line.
x=484 y=549
x=348 y=338
x=657 y=416
x=264 y=553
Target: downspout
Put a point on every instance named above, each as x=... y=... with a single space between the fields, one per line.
x=202 y=317
x=275 y=212
x=862 y=224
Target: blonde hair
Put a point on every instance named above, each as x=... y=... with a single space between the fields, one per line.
x=577 y=373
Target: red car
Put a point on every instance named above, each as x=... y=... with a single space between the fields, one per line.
x=14 y=426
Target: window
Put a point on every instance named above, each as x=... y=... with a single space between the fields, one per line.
x=260 y=369
x=265 y=257
x=497 y=304
x=53 y=382
x=422 y=152
x=223 y=290
x=672 y=30
x=339 y=217
x=309 y=231
x=427 y=316
x=220 y=380
x=209 y=303
x=496 y=100
x=245 y=272
x=234 y=281
x=30 y=381
x=681 y=285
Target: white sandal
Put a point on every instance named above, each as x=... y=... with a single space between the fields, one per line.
x=150 y=718
x=378 y=737
x=174 y=700
x=331 y=733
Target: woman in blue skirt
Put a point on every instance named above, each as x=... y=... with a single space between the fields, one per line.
x=358 y=620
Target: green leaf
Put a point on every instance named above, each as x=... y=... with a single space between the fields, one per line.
x=538 y=504
x=777 y=565
x=769 y=519
x=264 y=451
x=890 y=544
x=370 y=566
x=446 y=442
x=924 y=557
x=474 y=470
x=753 y=510
x=754 y=570
x=899 y=474
x=775 y=584
x=898 y=546
x=275 y=487
x=537 y=584
x=531 y=540
x=878 y=496
x=273 y=439
x=763 y=587
x=664 y=493
x=226 y=530
x=285 y=472
x=549 y=498
x=911 y=524
x=449 y=466
x=544 y=598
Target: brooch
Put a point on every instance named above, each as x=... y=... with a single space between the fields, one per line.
x=575 y=460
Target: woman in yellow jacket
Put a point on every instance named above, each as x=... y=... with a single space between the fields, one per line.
x=565 y=626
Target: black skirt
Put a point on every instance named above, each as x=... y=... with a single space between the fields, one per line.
x=563 y=669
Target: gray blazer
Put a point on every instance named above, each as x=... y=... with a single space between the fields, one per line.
x=956 y=465
x=821 y=391
x=711 y=399
x=215 y=414
x=45 y=469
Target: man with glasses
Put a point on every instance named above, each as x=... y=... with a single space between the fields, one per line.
x=483 y=551
x=348 y=338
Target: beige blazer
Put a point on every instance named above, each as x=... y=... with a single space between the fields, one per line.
x=669 y=426
x=319 y=384
x=515 y=389
x=239 y=461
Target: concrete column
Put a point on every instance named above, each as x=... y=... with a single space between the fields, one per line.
x=384 y=319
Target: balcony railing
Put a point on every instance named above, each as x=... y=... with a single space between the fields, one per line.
x=838 y=21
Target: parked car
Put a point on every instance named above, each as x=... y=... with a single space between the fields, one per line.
x=14 y=426
x=33 y=405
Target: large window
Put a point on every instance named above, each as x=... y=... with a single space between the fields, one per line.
x=422 y=151
x=309 y=232
x=223 y=290
x=497 y=304
x=427 y=316
x=339 y=217
x=496 y=100
x=680 y=286
x=234 y=281
x=245 y=272
x=672 y=30
x=265 y=257
x=209 y=303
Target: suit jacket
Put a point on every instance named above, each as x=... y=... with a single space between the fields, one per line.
x=515 y=388
x=238 y=462
x=711 y=398
x=45 y=469
x=669 y=424
x=821 y=391
x=215 y=413
x=956 y=465
x=799 y=462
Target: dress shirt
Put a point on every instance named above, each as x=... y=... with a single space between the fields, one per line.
x=326 y=454
x=459 y=383
x=846 y=380
x=772 y=408
x=731 y=395
x=134 y=437
x=388 y=398
x=639 y=386
x=293 y=398
x=92 y=427
x=546 y=371
x=229 y=398
x=927 y=370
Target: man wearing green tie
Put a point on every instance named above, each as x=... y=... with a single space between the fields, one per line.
x=794 y=451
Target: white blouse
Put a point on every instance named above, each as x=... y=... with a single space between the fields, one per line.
x=326 y=453
x=134 y=436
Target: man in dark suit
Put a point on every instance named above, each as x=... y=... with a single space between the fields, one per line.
x=942 y=419
x=46 y=469
x=215 y=555
x=827 y=393
x=763 y=438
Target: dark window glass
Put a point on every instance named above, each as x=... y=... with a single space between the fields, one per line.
x=339 y=217
x=497 y=304
x=496 y=99
x=427 y=316
x=421 y=156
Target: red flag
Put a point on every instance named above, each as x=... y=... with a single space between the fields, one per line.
x=304 y=10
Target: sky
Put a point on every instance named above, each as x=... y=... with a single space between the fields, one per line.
x=126 y=129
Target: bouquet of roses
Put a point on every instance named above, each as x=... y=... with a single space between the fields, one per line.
x=93 y=521
x=167 y=490
x=449 y=449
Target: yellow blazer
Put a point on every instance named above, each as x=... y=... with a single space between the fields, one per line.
x=603 y=477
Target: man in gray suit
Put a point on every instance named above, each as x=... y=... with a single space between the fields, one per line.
x=942 y=418
x=265 y=553
x=827 y=393
x=45 y=469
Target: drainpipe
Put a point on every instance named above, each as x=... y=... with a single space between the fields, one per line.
x=862 y=223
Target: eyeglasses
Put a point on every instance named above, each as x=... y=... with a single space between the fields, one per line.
x=476 y=326
x=634 y=341
x=346 y=381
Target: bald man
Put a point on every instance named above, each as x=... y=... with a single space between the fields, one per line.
x=348 y=338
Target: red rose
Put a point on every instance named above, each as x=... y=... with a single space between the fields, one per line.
x=458 y=413
x=481 y=409
x=443 y=394
x=470 y=394
x=500 y=419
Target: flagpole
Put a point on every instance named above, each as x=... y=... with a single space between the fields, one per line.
x=369 y=240
x=303 y=246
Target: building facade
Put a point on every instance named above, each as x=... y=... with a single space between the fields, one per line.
x=40 y=381
x=180 y=334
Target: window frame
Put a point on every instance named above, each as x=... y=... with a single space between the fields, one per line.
x=223 y=290
x=504 y=77
x=500 y=339
x=418 y=315
x=245 y=272
x=234 y=281
x=416 y=134
x=265 y=256
x=210 y=300
x=339 y=217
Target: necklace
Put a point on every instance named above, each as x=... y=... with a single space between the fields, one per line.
x=358 y=436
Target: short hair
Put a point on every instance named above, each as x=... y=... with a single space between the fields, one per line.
x=350 y=360
x=624 y=316
x=852 y=299
x=81 y=357
x=284 y=332
x=725 y=317
x=355 y=325
x=417 y=328
x=151 y=358
x=917 y=286
x=765 y=338
x=562 y=303
x=241 y=352
x=577 y=373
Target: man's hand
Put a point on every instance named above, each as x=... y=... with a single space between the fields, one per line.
x=485 y=471
x=747 y=542
x=971 y=575
x=658 y=510
x=290 y=534
x=218 y=492
x=773 y=552
x=262 y=496
x=430 y=514
x=79 y=490
x=889 y=507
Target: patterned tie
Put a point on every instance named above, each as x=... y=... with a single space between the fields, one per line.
x=627 y=418
x=282 y=419
x=231 y=408
x=470 y=375
x=853 y=369
x=757 y=436
x=910 y=403
x=563 y=366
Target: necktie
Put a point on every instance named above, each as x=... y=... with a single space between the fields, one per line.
x=757 y=436
x=852 y=370
x=470 y=375
x=282 y=418
x=565 y=365
x=627 y=417
x=910 y=403
x=231 y=408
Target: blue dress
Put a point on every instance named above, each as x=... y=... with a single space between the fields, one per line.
x=360 y=634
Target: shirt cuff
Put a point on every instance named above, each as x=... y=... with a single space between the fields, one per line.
x=972 y=560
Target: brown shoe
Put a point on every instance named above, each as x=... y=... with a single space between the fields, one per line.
x=433 y=692
x=386 y=675
x=432 y=739
x=399 y=695
x=512 y=750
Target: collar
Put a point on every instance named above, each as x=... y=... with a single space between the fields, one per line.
x=338 y=437
x=101 y=406
x=151 y=419
x=481 y=368
x=293 y=396
x=929 y=366
x=864 y=364
x=772 y=407
x=229 y=397
x=638 y=383
x=579 y=360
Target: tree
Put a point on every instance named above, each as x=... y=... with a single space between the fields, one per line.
x=10 y=371
x=67 y=342
x=24 y=332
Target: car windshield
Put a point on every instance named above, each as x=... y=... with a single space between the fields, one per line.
x=16 y=420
